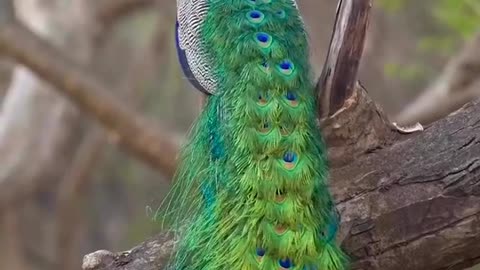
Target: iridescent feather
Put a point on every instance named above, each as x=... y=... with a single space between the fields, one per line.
x=251 y=190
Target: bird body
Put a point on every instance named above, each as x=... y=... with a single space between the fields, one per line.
x=251 y=189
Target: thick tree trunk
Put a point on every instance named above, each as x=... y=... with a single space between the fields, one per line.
x=416 y=204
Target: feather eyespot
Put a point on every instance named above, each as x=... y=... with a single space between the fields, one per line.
x=262 y=99
x=280 y=229
x=286 y=67
x=255 y=16
x=280 y=196
x=263 y=39
x=260 y=253
x=264 y=128
x=290 y=160
x=281 y=14
x=292 y=98
x=289 y=157
x=265 y=67
x=285 y=264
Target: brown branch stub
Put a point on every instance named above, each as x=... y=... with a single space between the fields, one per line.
x=351 y=122
x=359 y=126
x=339 y=75
x=124 y=125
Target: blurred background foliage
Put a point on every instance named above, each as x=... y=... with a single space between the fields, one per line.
x=408 y=44
x=449 y=24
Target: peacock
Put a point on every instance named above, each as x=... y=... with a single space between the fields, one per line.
x=251 y=188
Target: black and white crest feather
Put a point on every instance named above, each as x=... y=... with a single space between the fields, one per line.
x=190 y=17
x=193 y=57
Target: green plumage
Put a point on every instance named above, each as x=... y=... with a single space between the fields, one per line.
x=251 y=191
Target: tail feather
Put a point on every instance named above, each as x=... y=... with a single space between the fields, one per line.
x=251 y=187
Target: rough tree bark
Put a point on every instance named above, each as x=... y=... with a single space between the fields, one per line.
x=344 y=103
x=339 y=75
x=408 y=201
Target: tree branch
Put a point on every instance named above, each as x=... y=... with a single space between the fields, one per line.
x=357 y=128
x=124 y=125
x=339 y=74
x=351 y=122
x=415 y=205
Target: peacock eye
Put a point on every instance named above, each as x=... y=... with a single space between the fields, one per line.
x=264 y=127
x=281 y=13
x=260 y=252
x=262 y=99
x=280 y=229
x=286 y=67
x=285 y=264
x=255 y=16
x=291 y=98
x=279 y=196
x=264 y=40
x=290 y=159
